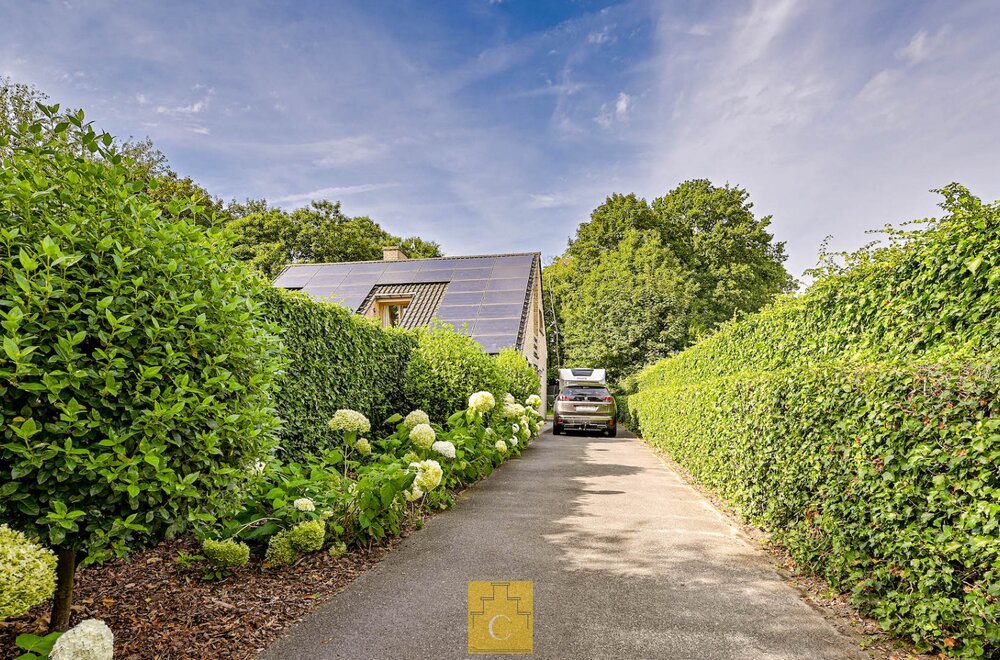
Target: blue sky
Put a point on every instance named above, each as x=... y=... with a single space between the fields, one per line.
x=499 y=125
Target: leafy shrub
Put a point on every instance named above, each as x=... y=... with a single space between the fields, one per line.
x=226 y=553
x=287 y=546
x=27 y=573
x=307 y=536
x=860 y=424
x=137 y=373
x=517 y=376
x=445 y=368
x=336 y=360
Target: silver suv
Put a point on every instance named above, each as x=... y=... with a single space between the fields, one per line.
x=585 y=408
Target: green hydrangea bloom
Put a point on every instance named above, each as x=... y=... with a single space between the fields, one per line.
x=349 y=421
x=308 y=536
x=280 y=551
x=416 y=417
x=27 y=573
x=422 y=436
x=226 y=553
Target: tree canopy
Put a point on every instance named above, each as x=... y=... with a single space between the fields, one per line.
x=268 y=238
x=641 y=280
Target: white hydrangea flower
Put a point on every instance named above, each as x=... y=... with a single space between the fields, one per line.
x=444 y=448
x=413 y=495
x=513 y=442
x=350 y=421
x=422 y=435
x=533 y=401
x=88 y=640
x=304 y=504
x=482 y=402
x=257 y=469
x=429 y=475
x=501 y=446
x=416 y=417
x=524 y=422
x=513 y=410
x=489 y=432
x=508 y=398
x=363 y=447
x=516 y=428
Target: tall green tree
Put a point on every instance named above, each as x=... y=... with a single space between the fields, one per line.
x=271 y=238
x=631 y=307
x=709 y=241
x=737 y=263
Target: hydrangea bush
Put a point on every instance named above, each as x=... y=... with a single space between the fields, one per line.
x=88 y=640
x=27 y=573
x=299 y=507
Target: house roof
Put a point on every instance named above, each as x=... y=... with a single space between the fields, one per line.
x=484 y=296
x=426 y=298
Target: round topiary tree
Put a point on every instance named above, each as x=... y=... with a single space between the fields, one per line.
x=136 y=375
x=445 y=368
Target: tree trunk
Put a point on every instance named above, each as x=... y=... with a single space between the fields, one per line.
x=62 y=603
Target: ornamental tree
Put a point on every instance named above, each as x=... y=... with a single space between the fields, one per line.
x=136 y=374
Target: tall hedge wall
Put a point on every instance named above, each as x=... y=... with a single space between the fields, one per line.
x=860 y=424
x=336 y=360
x=340 y=360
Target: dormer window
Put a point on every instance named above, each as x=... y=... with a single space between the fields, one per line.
x=391 y=309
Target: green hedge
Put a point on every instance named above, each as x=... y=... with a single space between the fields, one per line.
x=517 y=376
x=934 y=293
x=340 y=360
x=445 y=368
x=336 y=360
x=860 y=425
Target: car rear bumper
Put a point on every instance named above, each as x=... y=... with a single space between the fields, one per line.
x=584 y=423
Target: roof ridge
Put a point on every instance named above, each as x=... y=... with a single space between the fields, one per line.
x=382 y=261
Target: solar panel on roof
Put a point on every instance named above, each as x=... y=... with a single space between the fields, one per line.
x=486 y=294
x=464 y=286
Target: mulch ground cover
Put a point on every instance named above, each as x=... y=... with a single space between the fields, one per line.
x=158 y=609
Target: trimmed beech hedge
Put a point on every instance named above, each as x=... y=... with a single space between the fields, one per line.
x=860 y=425
x=336 y=360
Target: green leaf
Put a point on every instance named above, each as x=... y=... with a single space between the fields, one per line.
x=974 y=264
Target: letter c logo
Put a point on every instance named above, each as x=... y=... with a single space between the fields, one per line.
x=493 y=634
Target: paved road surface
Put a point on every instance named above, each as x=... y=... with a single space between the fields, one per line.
x=627 y=562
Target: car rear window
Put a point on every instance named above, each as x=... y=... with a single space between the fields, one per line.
x=599 y=392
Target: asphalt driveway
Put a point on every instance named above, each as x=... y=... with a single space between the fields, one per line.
x=626 y=560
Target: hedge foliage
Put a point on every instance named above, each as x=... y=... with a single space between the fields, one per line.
x=933 y=293
x=518 y=378
x=339 y=360
x=860 y=424
x=336 y=360
x=136 y=373
x=445 y=367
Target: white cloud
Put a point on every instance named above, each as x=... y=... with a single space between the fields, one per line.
x=332 y=193
x=616 y=112
x=345 y=151
x=602 y=36
x=922 y=45
x=550 y=201
x=830 y=130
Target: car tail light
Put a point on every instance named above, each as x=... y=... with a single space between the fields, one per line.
x=563 y=397
x=608 y=398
